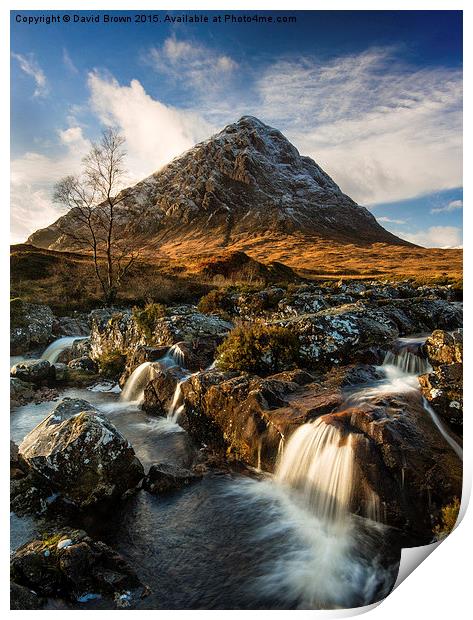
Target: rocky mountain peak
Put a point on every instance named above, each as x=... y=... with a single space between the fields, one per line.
x=244 y=181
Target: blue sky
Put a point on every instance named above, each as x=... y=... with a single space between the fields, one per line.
x=374 y=97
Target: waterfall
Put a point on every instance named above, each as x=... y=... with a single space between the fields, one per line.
x=177 y=404
x=134 y=388
x=54 y=350
x=443 y=431
x=318 y=461
x=408 y=362
x=176 y=354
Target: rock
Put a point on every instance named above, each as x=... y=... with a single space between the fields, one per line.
x=60 y=371
x=21 y=392
x=159 y=392
x=81 y=455
x=164 y=477
x=34 y=371
x=84 y=363
x=334 y=336
x=358 y=375
x=69 y=564
x=121 y=332
x=444 y=348
x=443 y=387
x=80 y=348
x=31 y=326
x=401 y=459
x=18 y=468
x=24 y=598
x=71 y=326
x=246 y=417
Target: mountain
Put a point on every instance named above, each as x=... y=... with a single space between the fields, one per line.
x=246 y=184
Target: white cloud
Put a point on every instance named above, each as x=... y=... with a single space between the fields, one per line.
x=389 y=220
x=67 y=60
x=154 y=132
x=30 y=66
x=435 y=237
x=198 y=66
x=451 y=206
x=32 y=177
x=384 y=131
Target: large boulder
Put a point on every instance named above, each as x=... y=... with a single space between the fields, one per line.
x=69 y=564
x=71 y=326
x=159 y=392
x=248 y=418
x=123 y=332
x=33 y=371
x=402 y=461
x=443 y=387
x=31 y=326
x=335 y=335
x=81 y=455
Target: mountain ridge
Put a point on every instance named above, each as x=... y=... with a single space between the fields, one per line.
x=245 y=182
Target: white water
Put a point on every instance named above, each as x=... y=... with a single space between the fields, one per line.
x=177 y=404
x=443 y=431
x=401 y=371
x=54 y=350
x=134 y=388
x=318 y=462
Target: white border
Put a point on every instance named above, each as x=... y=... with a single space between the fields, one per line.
x=438 y=589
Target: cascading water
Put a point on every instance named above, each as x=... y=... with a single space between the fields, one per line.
x=443 y=431
x=134 y=388
x=318 y=461
x=407 y=361
x=177 y=404
x=54 y=350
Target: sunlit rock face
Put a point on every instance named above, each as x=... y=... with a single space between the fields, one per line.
x=443 y=387
x=246 y=180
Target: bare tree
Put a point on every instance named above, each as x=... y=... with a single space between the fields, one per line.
x=93 y=219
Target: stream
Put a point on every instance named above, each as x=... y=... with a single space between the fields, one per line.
x=283 y=541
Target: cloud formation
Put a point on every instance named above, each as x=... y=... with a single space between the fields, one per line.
x=190 y=62
x=32 y=177
x=435 y=237
x=451 y=206
x=30 y=66
x=154 y=132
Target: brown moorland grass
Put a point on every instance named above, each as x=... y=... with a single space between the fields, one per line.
x=175 y=273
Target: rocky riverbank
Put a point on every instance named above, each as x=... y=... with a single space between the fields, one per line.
x=241 y=373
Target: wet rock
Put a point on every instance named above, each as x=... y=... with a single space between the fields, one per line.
x=24 y=598
x=84 y=363
x=247 y=418
x=335 y=335
x=164 y=477
x=121 y=332
x=402 y=460
x=159 y=392
x=81 y=455
x=31 y=326
x=21 y=392
x=34 y=371
x=80 y=348
x=71 y=326
x=60 y=371
x=69 y=564
x=358 y=375
x=443 y=387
